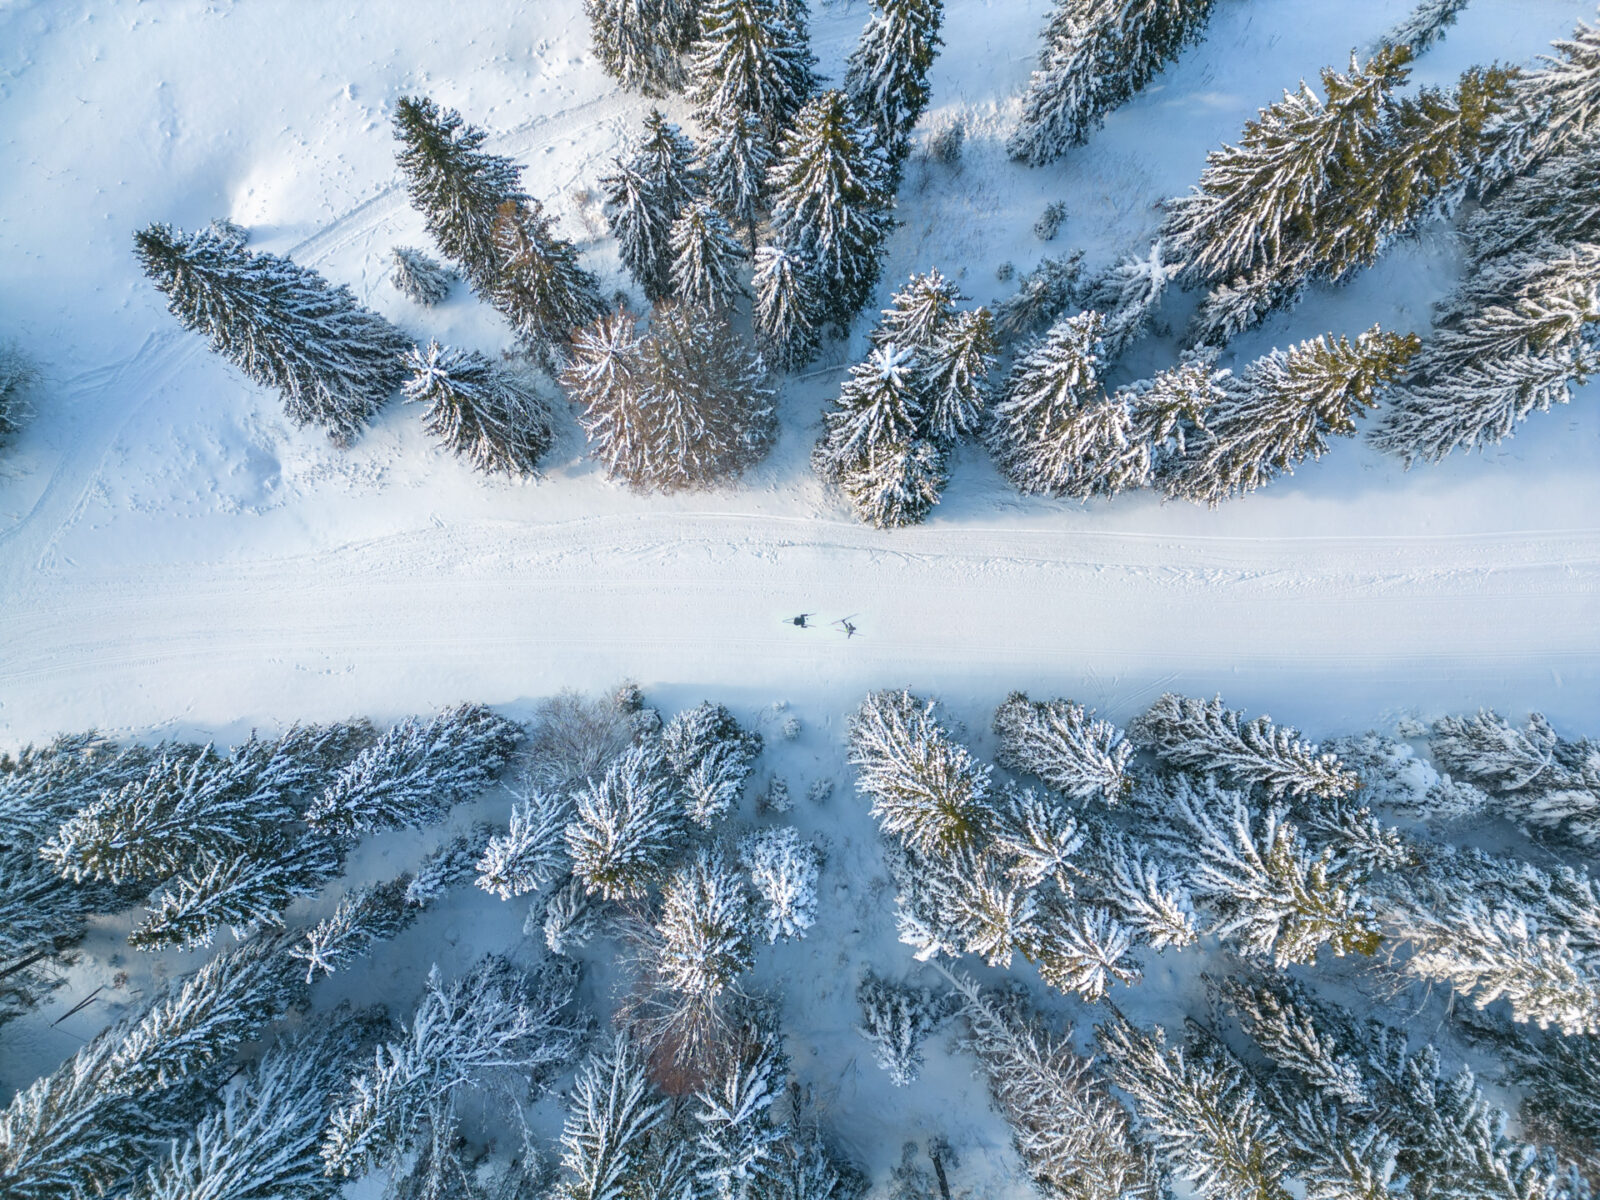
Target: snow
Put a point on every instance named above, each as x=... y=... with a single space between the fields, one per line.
x=176 y=557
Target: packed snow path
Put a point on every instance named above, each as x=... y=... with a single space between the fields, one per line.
x=171 y=551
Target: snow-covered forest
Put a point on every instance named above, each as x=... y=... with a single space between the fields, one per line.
x=379 y=386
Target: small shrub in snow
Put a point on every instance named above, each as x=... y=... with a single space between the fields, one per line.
x=946 y=145
x=16 y=378
x=819 y=791
x=777 y=798
x=790 y=728
x=1049 y=222
x=418 y=278
x=784 y=870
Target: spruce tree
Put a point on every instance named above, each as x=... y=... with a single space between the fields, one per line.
x=710 y=757
x=648 y=191
x=1097 y=55
x=419 y=278
x=283 y=325
x=1064 y=746
x=531 y=852
x=895 y=1020
x=704 y=928
x=455 y=185
x=685 y=406
x=879 y=406
x=539 y=286
x=919 y=315
x=896 y=483
x=956 y=370
x=615 y=1119
x=1557 y=106
x=1424 y=25
x=705 y=258
x=788 y=307
x=830 y=204
x=783 y=870
x=626 y=827
x=887 y=75
x=1047 y=292
x=752 y=59
x=739 y=1147
x=735 y=159
x=1284 y=409
x=495 y=422
x=1538 y=778
x=1549 y=204
x=638 y=41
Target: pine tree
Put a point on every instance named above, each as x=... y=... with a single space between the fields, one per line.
x=1558 y=105
x=1146 y=892
x=896 y=484
x=283 y=325
x=830 y=204
x=539 y=286
x=1097 y=55
x=1054 y=429
x=1258 y=202
x=649 y=190
x=1206 y=736
x=878 y=406
x=686 y=406
x=705 y=257
x=626 y=827
x=1064 y=746
x=416 y=771
x=783 y=870
x=1540 y=779
x=887 y=75
x=570 y=917
x=1283 y=410
x=704 y=927
x=494 y=421
x=711 y=757
x=262 y=1140
x=638 y=41
x=492 y=1019
x=925 y=788
x=455 y=185
x=788 y=307
x=735 y=160
x=419 y=278
x=752 y=58
x=956 y=373
x=896 y=1019
x=367 y=915
x=613 y=1118
x=1516 y=338
x=739 y=1145
x=1047 y=292
x=1203 y=1114
x=1074 y=1137
x=531 y=852
x=1424 y=25
x=919 y=314
x=1546 y=205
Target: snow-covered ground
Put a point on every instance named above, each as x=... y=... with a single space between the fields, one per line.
x=174 y=556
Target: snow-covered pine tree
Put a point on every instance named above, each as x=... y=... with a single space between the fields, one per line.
x=926 y=789
x=705 y=257
x=1074 y=1137
x=896 y=484
x=568 y=920
x=704 y=927
x=787 y=313
x=753 y=59
x=783 y=869
x=919 y=314
x=887 y=75
x=283 y=325
x=1423 y=25
x=262 y=1140
x=419 y=278
x=1063 y=745
x=896 y=1019
x=1049 y=291
x=479 y=412
x=1127 y=296
x=738 y=1149
x=369 y=914
x=531 y=852
x=1282 y=411
x=615 y=1119
x=956 y=369
x=493 y=1019
x=686 y=406
x=1083 y=950
x=879 y=405
x=1207 y=737
x=711 y=758
x=650 y=187
x=1270 y=893
x=1055 y=430
x=735 y=159
x=416 y=771
x=1558 y=1078
x=1257 y=201
x=455 y=185
x=638 y=41
x=1170 y=410
x=1545 y=205
x=1097 y=54
x=830 y=204
x=17 y=377
x=1147 y=893
x=1540 y=778
x=1515 y=339
x=627 y=826
x=539 y=286
x=1558 y=105
x=1202 y=1113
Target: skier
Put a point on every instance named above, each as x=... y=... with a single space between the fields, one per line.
x=799 y=621
x=849 y=629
